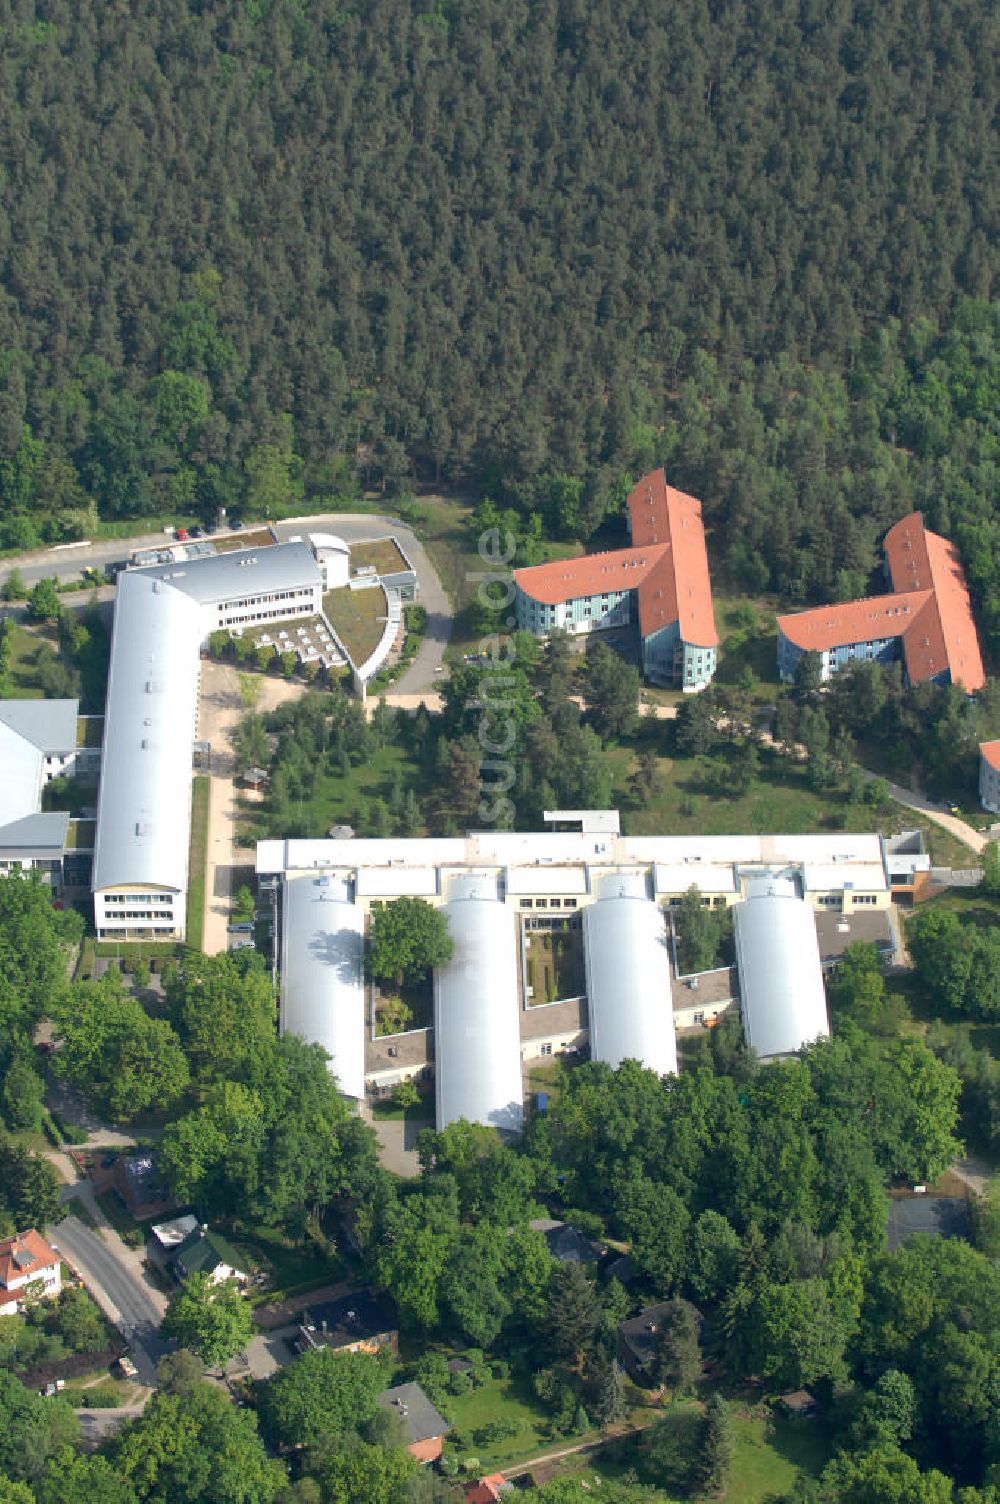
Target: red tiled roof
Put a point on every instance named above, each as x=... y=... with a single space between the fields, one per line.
x=591 y=574
x=667 y=564
x=825 y=627
x=678 y=588
x=936 y=622
x=25 y=1256
x=486 y=1491
x=990 y=753
x=921 y=560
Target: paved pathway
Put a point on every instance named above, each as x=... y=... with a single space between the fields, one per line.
x=114 y=1275
x=969 y=836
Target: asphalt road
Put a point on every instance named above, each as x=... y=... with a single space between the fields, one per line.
x=117 y=1287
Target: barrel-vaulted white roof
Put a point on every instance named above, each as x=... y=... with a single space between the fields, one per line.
x=144 y=810
x=477 y=1037
x=781 y=979
x=628 y=977
x=322 y=974
x=252 y=571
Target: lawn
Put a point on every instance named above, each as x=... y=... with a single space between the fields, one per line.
x=747 y=640
x=555 y=964
x=293 y=1268
x=771 y=1454
x=336 y=800
x=694 y=798
x=510 y=1400
x=22 y=680
x=200 y=793
x=358 y=617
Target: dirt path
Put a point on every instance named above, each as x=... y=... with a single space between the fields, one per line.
x=974 y=1172
x=613 y=1433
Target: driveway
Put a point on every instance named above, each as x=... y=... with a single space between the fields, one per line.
x=114 y=1275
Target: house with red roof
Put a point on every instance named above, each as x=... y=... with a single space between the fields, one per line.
x=661 y=584
x=926 y=622
x=29 y=1269
x=989 y=776
x=488 y=1490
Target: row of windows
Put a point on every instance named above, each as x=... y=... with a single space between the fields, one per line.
x=548 y=903
x=275 y=595
x=142 y=914
x=156 y=898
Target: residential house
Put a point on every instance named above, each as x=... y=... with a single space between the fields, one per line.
x=566 y=1243
x=488 y=1490
x=356 y=1323
x=207 y=1252
x=29 y=1268
x=425 y=1426
x=142 y=1186
x=639 y=1343
x=989 y=776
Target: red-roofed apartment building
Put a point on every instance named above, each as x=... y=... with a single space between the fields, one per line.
x=927 y=621
x=989 y=776
x=661 y=583
x=27 y=1260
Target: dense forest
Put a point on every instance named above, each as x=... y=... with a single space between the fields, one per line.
x=260 y=253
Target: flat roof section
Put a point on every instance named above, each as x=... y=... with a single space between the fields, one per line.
x=322 y=974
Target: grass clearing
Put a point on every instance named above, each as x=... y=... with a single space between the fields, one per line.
x=22 y=673
x=358 y=617
x=695 y=797
x=512 y=1400
x=772 y=1453
x=335 y=799
x=200 y=793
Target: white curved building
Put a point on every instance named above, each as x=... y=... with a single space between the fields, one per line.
x=477 y=1035
x=333 y=557
x=628 y=977
x=322 y=974
x=781 y=978
x=143 y=816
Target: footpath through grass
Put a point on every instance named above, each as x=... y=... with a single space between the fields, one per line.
x=200 y=794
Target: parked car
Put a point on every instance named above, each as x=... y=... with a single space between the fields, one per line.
x=126 y=1368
